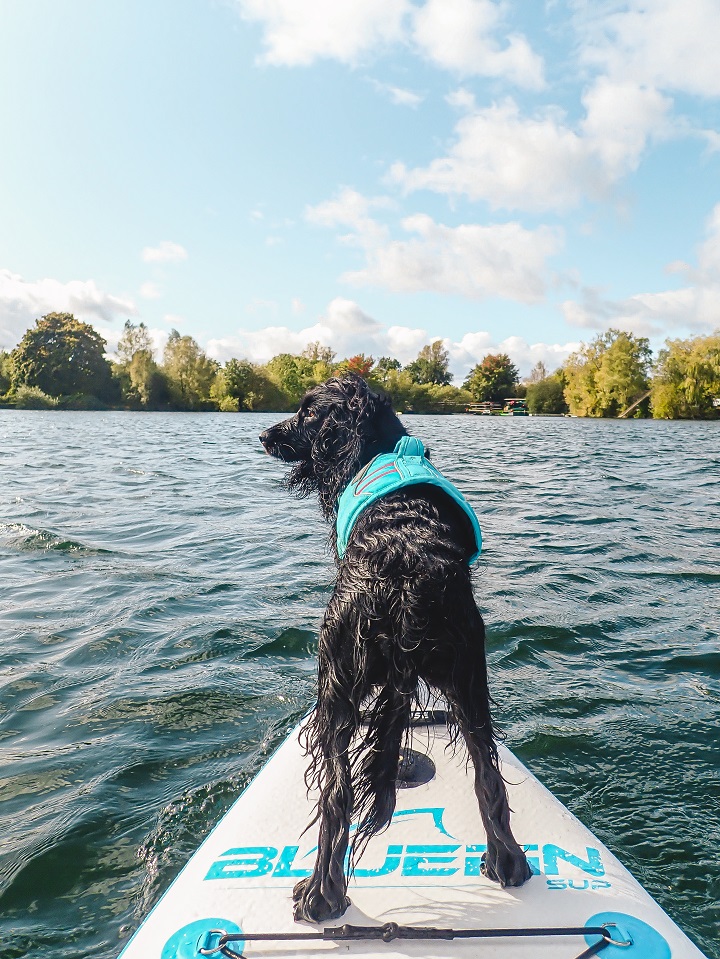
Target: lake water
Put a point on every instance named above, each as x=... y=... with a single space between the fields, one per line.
x=159 y=603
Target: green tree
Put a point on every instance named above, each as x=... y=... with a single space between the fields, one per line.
x=493 y=379
x=547 y=395
x=407 y=396
x=606 y=376
x=133 y=338
x=322 y=364
x=241 y=385
x=402 y=390
x=380 y=373
x=432 y=365
x=190 y=373
x=142 y=382
x=686 y=381
x=62 y=356
x=434 y=398
x=384 y=365
x=293 y=375
x=240 y=378
x=33 y=398
x=147 y=380
x=6 y=371
x=317 y=353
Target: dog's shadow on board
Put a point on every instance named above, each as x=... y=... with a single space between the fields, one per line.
x=402 y=613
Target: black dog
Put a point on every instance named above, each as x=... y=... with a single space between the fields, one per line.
x=402 y=611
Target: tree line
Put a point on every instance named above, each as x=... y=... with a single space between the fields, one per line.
x=61 y=363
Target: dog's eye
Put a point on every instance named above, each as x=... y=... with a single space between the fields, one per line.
x=311 y=412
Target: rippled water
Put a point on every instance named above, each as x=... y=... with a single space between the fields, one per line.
x=160 y=596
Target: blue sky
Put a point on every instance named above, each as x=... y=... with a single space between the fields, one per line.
x=374 y=174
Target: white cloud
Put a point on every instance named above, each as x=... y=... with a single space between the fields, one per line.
x=151 y=291
x=351 y=209
x=459 y=35
x=475 y=261
x=620 y=118
x=343 y=327
x=159 y=339
x=22 y=302
x=165 y=252
x=296 y=34
x=712 y=140
x=655 y=315
x=692 y=308
x=508 y=160
x=398 y=95
x=349 y=330
x=404 y=98
x=708 y=269
x=462 y=99
x=474 y=346
x=541 y=163
x=403 y=342
x=660 y=43
x=470 y=260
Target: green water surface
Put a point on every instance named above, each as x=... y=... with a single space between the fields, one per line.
x=159 y=602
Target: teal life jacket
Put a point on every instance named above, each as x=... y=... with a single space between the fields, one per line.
x=384 y=474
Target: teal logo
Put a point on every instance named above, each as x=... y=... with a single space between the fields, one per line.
x=438 y=860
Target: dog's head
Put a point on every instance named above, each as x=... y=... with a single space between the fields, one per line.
x=340 y=426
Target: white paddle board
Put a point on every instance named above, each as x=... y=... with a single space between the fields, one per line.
x=424 y=870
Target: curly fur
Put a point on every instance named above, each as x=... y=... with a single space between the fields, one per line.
x=402 y=612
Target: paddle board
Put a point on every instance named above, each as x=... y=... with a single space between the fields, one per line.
x=424 y=870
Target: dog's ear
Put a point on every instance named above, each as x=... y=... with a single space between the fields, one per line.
x=346 y=423
x=357 y=425
x=384 y=428
x=368 y=417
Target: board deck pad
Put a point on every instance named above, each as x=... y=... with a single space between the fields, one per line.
x=423 y=870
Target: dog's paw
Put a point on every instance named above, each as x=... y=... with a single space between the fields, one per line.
x=312 y=906
x=506 y=867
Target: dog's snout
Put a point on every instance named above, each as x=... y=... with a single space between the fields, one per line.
x=264 y=437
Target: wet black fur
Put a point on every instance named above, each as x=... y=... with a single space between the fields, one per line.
x=402 y=611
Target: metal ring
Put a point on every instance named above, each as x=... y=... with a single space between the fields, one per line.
x=389 y=931
x=212 y=932
x=612 y=942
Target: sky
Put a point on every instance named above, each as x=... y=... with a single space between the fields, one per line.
x=374 y=174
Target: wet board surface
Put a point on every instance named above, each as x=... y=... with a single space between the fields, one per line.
x=424 y=870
